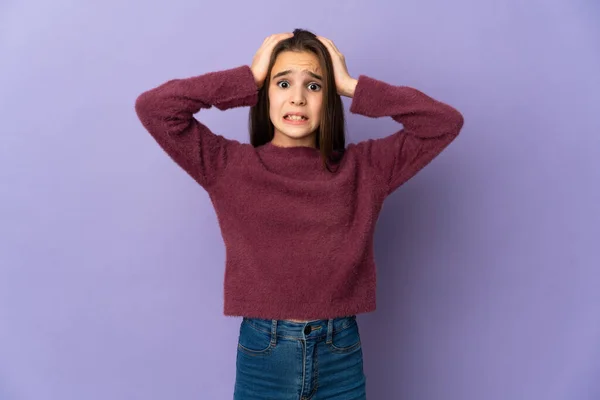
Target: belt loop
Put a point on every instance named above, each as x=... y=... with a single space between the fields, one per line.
x=274 y=332
x=330 y=331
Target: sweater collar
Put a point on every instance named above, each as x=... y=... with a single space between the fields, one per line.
x=293 y=151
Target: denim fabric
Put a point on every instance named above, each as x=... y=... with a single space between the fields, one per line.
x=284 y=360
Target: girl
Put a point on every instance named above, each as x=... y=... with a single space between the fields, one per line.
x=297 y=207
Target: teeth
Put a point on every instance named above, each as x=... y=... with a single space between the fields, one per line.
x=295 y=117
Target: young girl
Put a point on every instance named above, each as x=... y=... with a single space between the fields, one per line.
x=297 y=208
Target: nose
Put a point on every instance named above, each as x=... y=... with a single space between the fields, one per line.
x=297 y=97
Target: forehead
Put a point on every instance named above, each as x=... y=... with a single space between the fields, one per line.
x=297 y=62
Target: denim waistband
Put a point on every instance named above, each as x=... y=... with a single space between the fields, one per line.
x=316 y=329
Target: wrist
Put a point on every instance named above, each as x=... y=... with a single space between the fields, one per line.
x=350 y=87
x=257 y=79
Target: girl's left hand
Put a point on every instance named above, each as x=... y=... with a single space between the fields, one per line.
x=344 y=83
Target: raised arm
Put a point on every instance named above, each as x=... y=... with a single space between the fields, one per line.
x=429 y=127
x=167 y=112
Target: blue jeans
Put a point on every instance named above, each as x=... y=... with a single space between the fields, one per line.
x=284 y=360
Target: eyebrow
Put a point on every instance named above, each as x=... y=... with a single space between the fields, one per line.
x=286 y=72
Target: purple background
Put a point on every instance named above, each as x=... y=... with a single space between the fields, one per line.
x=111 y=261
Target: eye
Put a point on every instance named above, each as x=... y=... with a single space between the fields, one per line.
x=315 y=86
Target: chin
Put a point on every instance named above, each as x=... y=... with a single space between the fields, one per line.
x=295 y=133
x=297 y=136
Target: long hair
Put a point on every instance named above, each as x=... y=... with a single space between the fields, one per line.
x=330 y=138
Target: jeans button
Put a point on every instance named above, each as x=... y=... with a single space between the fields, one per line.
x=307 y=330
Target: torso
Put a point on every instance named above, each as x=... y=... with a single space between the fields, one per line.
x=333 y=214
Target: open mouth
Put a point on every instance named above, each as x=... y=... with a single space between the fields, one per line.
x=295 y=118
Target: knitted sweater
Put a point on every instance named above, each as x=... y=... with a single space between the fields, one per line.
x=298 y=238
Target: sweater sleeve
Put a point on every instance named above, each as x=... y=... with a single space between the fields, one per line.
x=428 y=127
x=167 y=113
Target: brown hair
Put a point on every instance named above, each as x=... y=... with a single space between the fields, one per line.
x=330 y=140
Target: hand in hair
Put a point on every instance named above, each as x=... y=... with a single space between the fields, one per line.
x=344 y=83
x=260 y=62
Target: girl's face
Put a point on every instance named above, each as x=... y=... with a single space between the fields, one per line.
x=295 y=89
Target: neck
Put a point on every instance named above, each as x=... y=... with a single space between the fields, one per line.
x=285 y=141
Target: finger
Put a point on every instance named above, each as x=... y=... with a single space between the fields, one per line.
x=334 y=46
x=329 y=44
x=277 y=36
x=281 y=36
x=271 y=41
x=325 y=42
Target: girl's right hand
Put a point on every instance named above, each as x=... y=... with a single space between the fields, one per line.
x=260 y=62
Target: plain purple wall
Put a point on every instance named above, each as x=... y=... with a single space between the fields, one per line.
x=111 y=261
